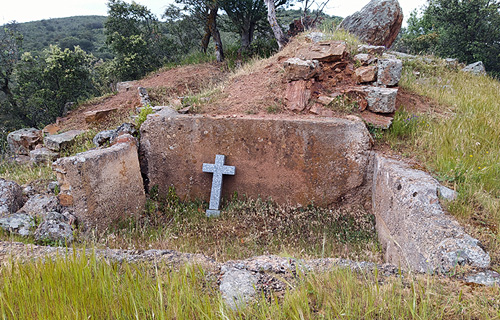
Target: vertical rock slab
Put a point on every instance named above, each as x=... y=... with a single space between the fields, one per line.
x=103 y=186
x=411 y=224
x=378 y=23
x=291 y=160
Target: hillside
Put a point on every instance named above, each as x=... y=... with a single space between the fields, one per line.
x=84 y=31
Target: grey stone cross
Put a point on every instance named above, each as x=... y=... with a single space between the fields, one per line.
x=218 y=169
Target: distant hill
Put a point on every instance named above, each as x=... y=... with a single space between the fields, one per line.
x=85 y=31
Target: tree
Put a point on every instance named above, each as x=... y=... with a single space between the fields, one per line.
x=133 y=33
x=271 y=17
x=468 y=30
x=10 y=44
x=205 y=12
x=245 y=15
x=46 y=83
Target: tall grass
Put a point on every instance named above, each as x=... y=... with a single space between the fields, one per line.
x=79 y=287
x=462 y=148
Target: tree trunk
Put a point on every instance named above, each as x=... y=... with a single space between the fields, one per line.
x=212 y=23
x=271 y=17
x=206 y=37
x=246 y=38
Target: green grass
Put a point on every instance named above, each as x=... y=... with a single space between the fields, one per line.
x=77 y=287
x=82 y=143
x=25 y=173
x=248 y=228
x=460 y=144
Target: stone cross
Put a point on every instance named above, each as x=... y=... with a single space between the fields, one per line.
x=218 y=169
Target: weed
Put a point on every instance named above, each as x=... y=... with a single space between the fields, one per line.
x=82 y=143
x=143 y=115
x=22 y=174
x=274 y=108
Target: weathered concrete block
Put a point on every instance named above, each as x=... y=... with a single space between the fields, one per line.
x=389 y=72
x=381 y=100
x=412 y=226
x=102 y=185
x=23 y=140
x=291 y=160
x=60 y=141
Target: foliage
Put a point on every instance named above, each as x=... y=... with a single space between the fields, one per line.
x=47 y=82
x=464 y=29
x=134 y=34
x=143 y=115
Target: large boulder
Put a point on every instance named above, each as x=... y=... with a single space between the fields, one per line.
x=11 y=197
x=18 y=223
x=412 y=226
x=476 y=68
x=103 y=185
x=23 y=140
x=377 y=23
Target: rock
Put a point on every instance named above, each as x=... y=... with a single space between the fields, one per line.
x=104 y=186
x=124 y=86
x=403 y=55
x=95 y=116
x=184 y=110
x=476 y=68
x=326 y=51
x=487 y=278
x=316 y=36
x=298 y=69
x=237 y=286
x=43 y=156
x=377 y=120
x=159 y=108
x=103 y=137
x=51 y=129
x=22 y=141
x=143 y=96
x=297 y=95
x=58 y=142
x=53 y=187
x=287 y=145
x=365 y=74
x=378 y=23
x=19 y=223
x=40 y=205
x=324 y=100
x=126 y=128
x=389 y=72
x=381 y=100
x=375 y=50
x=412 y=226
x=365 y=58
x=451 y=63
x=446 y=193
x=11 y=197
x=54 y=230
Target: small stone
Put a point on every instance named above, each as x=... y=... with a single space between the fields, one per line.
x=381 y=100
x=11 y=197
x=40 y=205
x=237 y=287
x=52 y=187
x=184 y=110
x=316 y=36
x=365 y=58
x=19 y=223
x=54 y=229
x=324 y=100
x=389 y=72
x=124 y=86
x=476 y=68
x=22 y=141
x=378 y=50
x=43 y=156
x=366 y=74
x=103 y=137
x=298 y=69
x=487 y=278
x=143 y=96
x=58 y=142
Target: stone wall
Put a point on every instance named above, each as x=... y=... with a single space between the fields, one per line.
x=291 y=160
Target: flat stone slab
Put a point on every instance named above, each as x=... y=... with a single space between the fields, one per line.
x=291 y=160
x=57 y=142
x=43 y=156
x=103 y=186
x=324 y=51
x=412 y=226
